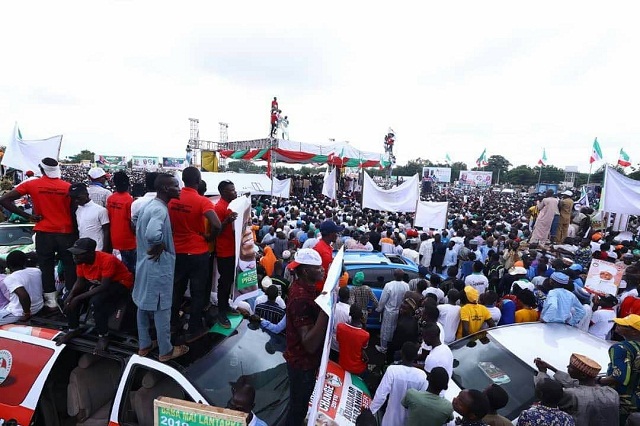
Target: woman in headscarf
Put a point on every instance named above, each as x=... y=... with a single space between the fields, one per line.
x=268 y=260
x=361 y=294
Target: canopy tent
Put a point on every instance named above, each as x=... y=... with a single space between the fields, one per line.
x=340 y=154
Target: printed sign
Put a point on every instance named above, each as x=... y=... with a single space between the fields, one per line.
x=343 y=397
x=176 y=412
x=173 y=163
x=146 y=163
x=474 y=178
x=111 y=162
x=246 y=275
x=604 y=277
x=437 y=174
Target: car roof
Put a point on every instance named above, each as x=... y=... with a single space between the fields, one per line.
x=16 y=225
x=358 y=257
x=552 y=342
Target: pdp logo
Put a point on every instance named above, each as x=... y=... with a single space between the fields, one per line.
x=5 y=364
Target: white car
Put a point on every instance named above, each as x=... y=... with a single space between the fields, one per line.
x=504 y=355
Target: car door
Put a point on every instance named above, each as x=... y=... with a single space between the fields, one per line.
x=143 y=380
x=27 y=355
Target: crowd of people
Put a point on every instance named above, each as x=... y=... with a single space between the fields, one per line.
x=501 y=259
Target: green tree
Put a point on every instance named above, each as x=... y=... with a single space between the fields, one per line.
x=521 y=175
x=498 y=165
x=412 y=167
x=85 y=154
x=550 y=174
x=242 y=166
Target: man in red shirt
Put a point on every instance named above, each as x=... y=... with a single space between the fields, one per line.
x=329 y=231
x=225 y=249
x=192 y=250
x=353 y=340
x=103 y=281
x=54 y=228
x=306 y=327
x=123 y=237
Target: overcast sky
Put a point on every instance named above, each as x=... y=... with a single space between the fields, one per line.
x=123 y=77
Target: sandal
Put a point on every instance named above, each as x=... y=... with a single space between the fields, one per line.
x=175 y=353
x=148 y=349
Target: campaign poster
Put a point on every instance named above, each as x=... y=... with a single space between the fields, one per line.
x=604 y=277
x=111 y=162
x=144 y=163
x=173 y=163
x=246 y=286
x=475 y=178
x=437 y=174
x=343 y=397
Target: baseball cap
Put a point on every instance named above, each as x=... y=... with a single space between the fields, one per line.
x=305 y=257
x=96 y=173
x=77 y=188
x=632 y=320
x=82 y=246
x=329 y=227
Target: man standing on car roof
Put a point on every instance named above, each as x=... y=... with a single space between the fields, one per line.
x=54 y=227
x=187 y=215
x=225 y=249
x=390 y=301
x=156 y=258
x=306 y=327
x=103 y=281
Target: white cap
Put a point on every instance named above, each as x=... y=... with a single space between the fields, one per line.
x=306 y=257
x=286 y=254
x=96 y=173
x=266 y=282
x=568 y=193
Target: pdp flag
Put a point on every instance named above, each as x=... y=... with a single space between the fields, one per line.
x=623 y=159
x=596 y=152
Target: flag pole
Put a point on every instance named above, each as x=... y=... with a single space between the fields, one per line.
x=540 y=175
x=589 y=176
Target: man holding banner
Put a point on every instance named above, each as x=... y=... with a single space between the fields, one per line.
x=306 y=329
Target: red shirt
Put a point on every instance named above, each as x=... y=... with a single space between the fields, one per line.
x=326 y=254
x=106 y=266
x=119 y=209
x=302 y=311
x=51 y=201
x=352 y=340
x=225 y=243
x=187 y=225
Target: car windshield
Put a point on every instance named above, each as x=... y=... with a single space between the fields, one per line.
x=249 y=356
x=15 y=235
x=480 y=361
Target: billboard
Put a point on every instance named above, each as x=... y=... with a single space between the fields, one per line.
x=173 y=163
x=111 y=162
x=474 y=178
x=437 y=174
x=144 y=162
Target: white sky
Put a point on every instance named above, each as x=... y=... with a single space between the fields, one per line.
x=123 y=77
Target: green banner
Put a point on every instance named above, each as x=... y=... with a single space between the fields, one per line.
x=174 y=412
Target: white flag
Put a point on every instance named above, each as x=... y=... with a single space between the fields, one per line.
x=402 y=198
x=432 y=215
x=329 y=184
x=26 y=155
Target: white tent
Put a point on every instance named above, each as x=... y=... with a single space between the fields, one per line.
x=255 y=184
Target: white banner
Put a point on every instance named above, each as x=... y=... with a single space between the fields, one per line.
x=26 y=155
x=431 y=215
x=402 y=198
x=282 y=188
x=329 y=184
x=620 y=194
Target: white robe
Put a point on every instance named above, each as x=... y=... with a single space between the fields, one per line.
x=395 y=383
x=390 y=301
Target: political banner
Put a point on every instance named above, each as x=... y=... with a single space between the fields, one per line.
x=144 y=162
x=344 y=396
x=475 y=178
x=111 y=162
x=177 y=412
x=246 y=275
x=437 y=174
x=604 y=277
x=173 y=163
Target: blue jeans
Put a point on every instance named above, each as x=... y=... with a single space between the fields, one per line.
x=162 y=320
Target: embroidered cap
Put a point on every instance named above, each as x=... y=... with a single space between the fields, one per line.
x=585 y=365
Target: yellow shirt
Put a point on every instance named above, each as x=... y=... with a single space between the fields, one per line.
x=475 y=315
x=527 y=315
